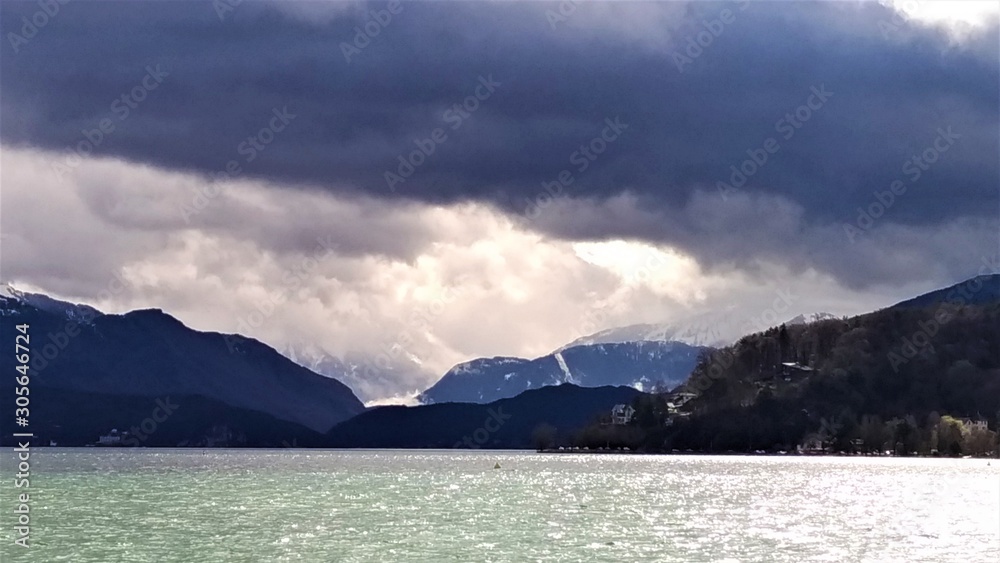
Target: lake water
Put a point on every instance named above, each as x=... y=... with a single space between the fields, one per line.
x=109 y=505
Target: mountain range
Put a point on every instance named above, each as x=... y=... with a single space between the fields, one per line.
x=643 y=356
x=148 y=353
x=640 y=356
x=91 y=372
x=642 y=365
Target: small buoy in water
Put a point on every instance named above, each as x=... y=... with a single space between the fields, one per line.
x=496 y=465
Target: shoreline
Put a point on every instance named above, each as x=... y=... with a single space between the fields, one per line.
x=600 y=451
x=753 y=454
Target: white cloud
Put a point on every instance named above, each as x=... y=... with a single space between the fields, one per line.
x=952 y=14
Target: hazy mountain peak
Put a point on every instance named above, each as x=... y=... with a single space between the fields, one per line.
x=372 y=377
x=711 y=329
x=807 y=318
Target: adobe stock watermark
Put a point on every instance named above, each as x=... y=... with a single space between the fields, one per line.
x=490 y=426
x=225 y=7
x=913 y=169
x=561 y=14
x=704 y=38
x=121 y=108
x=786 y=126
x=454 y=116
x=920 y=342
x=292 y=279
x=59 y=340
x=249 y=149
x=363 y=35
x=582 y=158
x=142 y=431
x=31 y=26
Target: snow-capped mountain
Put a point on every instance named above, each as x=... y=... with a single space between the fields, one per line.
x=666 y=332
x=639 y=355
x=76 y=349
x=9 y=296
x=712 y=329
x=642 y=365
x=810 y=318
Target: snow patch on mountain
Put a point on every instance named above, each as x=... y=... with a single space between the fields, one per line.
x=810 y=318
x=12 y=296
x=714 y=329
x=643 y=365
x=567 y=376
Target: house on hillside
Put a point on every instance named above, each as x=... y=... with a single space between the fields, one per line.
x=794 y=369
x=622 y=414
x=974 y=424
x=679 y=399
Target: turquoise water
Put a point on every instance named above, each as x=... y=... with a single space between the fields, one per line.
x=106 y=505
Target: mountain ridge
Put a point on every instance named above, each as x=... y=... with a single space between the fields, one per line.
x=983 y=288
x=882 y=379
x=505 y=423
x=642 y=365
x=148 y=352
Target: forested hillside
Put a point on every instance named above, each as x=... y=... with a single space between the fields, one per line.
x=895 y=379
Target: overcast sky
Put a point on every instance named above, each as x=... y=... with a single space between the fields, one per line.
x=463 y=179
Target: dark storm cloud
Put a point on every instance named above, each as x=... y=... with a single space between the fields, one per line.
x=892 y=90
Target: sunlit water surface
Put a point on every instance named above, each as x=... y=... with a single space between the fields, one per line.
x=109 y=505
